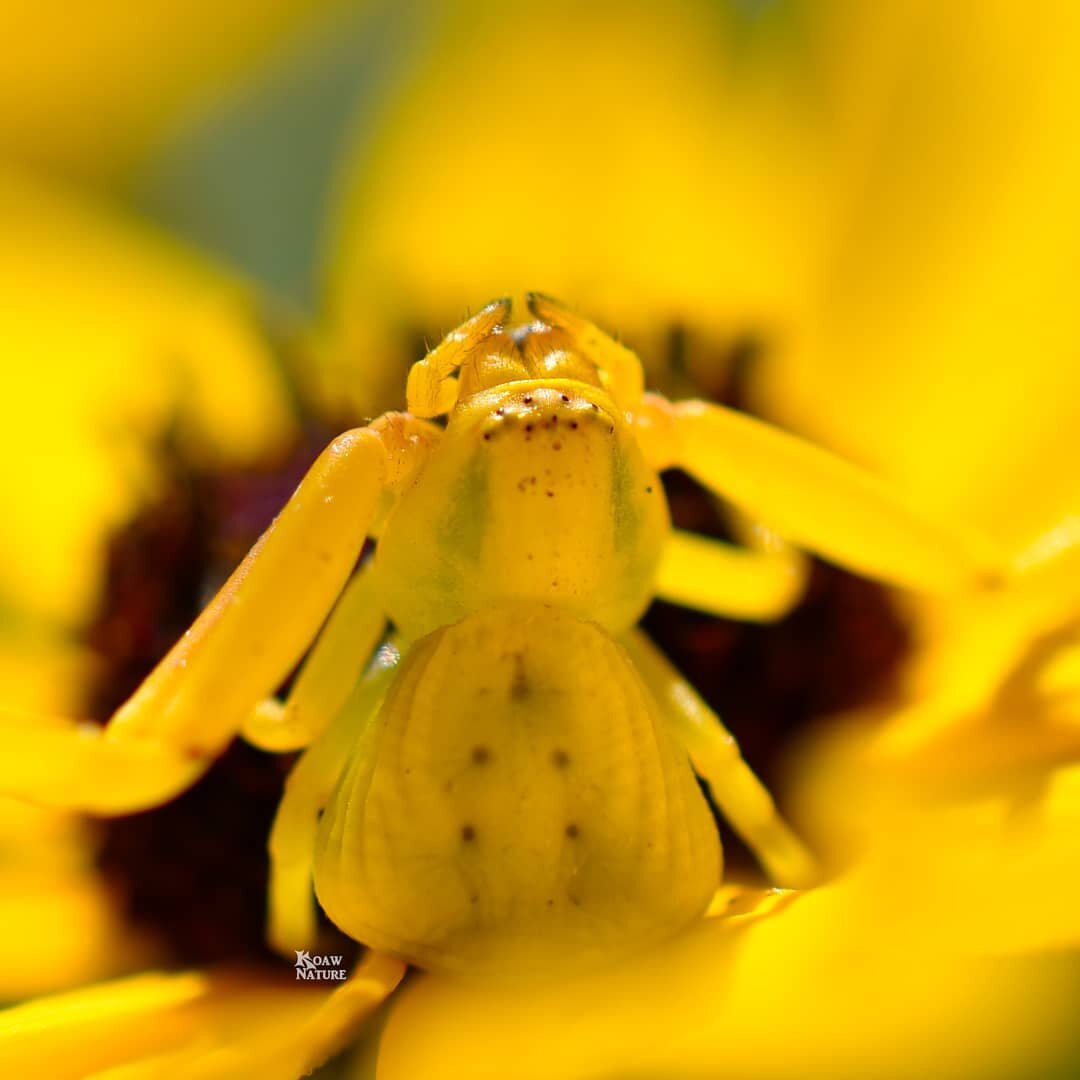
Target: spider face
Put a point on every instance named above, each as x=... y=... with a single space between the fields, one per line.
x=538 y=492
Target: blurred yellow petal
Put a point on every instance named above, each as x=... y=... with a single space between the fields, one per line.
x=86 y=88
x=977 y=648
x=220 y=1025
x=76 y=1033
x=972 y=843
x=830 y=983
x=69 y=930
x=632 y=159
x=41 y=670
x=940 y=346
x=112 y=339
x=1014 y=860
x=990 y=701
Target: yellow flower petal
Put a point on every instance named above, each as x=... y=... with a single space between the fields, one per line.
x=831 y=983
x=940 y=346
x=635 y=161
x=66 y=928
x=87 y=88
x=65 y=931
x=992 y=692
x=76 y=1033
x=210 y=1026
x=111 y=337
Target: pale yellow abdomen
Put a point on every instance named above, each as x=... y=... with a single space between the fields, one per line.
x=516 y=804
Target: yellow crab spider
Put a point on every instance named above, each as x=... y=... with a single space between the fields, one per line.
x=519 y=790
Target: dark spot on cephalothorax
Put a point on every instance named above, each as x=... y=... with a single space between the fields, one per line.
x=566 y=398
x=572 y=831
x=481 y=755
x=573 y=425
x=560 y=758
x=556 y=446
x=648 y=490
x=550 y=494
x=487 y=436
x=611 y=430
x=474 y=899
x=500 y=412
x=468 y=833
x=551 y=903
x=594 y=406
x=528 y=427
x=519 y=683
x=575 y=900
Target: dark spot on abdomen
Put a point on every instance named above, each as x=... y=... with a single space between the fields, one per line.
x=519 y=683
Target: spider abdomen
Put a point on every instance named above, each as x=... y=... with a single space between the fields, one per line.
x=517 y=802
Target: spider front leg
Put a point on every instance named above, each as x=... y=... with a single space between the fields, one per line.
x=331 y=670
x=236 y=653
x=812 y=498
x=740 y=795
